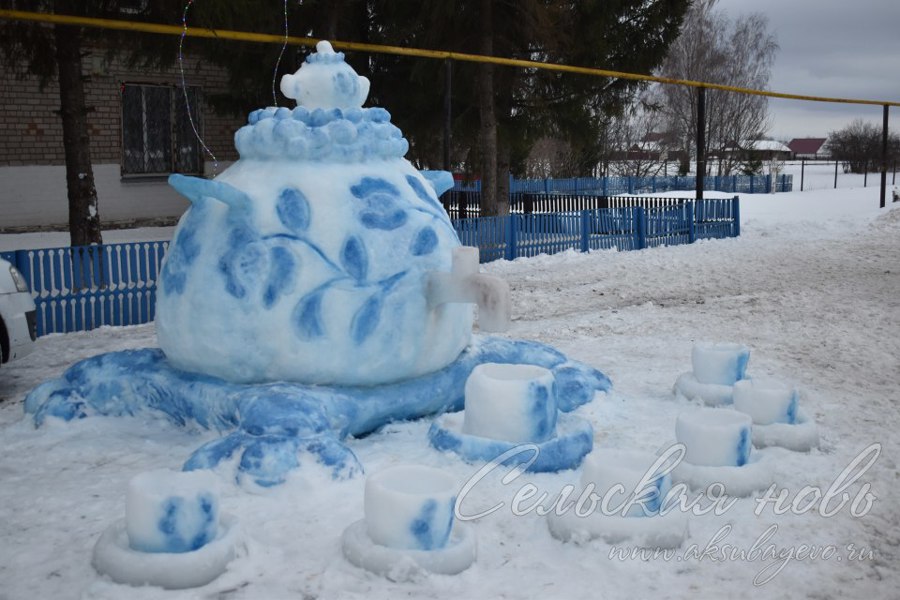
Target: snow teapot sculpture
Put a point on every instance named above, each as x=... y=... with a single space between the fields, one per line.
x=321 y=256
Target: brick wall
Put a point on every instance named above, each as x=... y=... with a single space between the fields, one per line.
x=32 y=131
x=32 y=161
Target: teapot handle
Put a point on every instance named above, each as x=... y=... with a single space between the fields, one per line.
x=441 y=181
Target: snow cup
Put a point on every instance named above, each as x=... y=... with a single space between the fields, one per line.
x=171 y=511
x=715 y=437
x=511 y=402
x=410 y=507
x=722 y=363
x=605 y=468
x=767 y=401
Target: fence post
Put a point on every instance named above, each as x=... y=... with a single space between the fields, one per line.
x=511 y=250
x=691 y=216
x=835 y=174
x=585 y=230
x=752 y=178
x=604 y=194
x=630 y=185
x=736 y=215
x=769 y=188
x=640 y=228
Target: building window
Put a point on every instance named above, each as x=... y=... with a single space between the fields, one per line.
x=157 y=137
x=133 y=7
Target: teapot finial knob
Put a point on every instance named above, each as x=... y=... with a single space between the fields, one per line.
x=326 y=81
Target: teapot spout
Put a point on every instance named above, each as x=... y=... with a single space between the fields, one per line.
x=465 y=284
x=199 y=190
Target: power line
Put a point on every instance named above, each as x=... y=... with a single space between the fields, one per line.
x=224 y=34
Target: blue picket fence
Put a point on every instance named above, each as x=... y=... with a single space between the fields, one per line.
x=624 y=228
x=82 y=288
x=611 y=186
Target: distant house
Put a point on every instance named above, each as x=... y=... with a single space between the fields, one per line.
x=759 y=150
x=654 y=146
x=808 y=148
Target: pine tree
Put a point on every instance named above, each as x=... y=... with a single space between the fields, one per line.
x=500 y=112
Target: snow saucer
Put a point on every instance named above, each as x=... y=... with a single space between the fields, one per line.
x=172 y=535
x=716 y=368
x=718 y=448
x=777 y=418
x=633 y=487
x=511 y=405
x=409 y=525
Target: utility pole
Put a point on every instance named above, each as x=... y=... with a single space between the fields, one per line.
x=884 y=153
x=701 y=140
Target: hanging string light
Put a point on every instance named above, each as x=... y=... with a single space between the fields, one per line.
x=187 y=103
x=280 y=54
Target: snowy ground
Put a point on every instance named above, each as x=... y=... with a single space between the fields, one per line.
x=812 y=285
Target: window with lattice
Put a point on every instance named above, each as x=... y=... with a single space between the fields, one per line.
x=157 y=136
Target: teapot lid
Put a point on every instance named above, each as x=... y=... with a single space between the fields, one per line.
x=328 y=124
x=326 y=81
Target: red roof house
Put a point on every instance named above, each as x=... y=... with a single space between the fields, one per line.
x=808 y=147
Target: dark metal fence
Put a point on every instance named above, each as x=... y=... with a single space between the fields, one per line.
x=465 y=204
x=614 y=186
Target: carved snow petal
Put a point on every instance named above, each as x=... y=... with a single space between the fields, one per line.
x=424 y=243
x=243 y=265
x=355 y=258
x=282 y=275
x=293 y=210
x=366 y=319
x=307 y=317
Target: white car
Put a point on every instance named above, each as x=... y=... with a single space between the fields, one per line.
x=17 y=315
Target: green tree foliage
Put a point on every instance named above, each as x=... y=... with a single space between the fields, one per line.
x=253 y=67
x=859 y=146
x=520 y=105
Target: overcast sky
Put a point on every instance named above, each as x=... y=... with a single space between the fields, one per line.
x=835 y=48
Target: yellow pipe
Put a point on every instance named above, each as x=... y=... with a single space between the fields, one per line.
x=222 y=34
